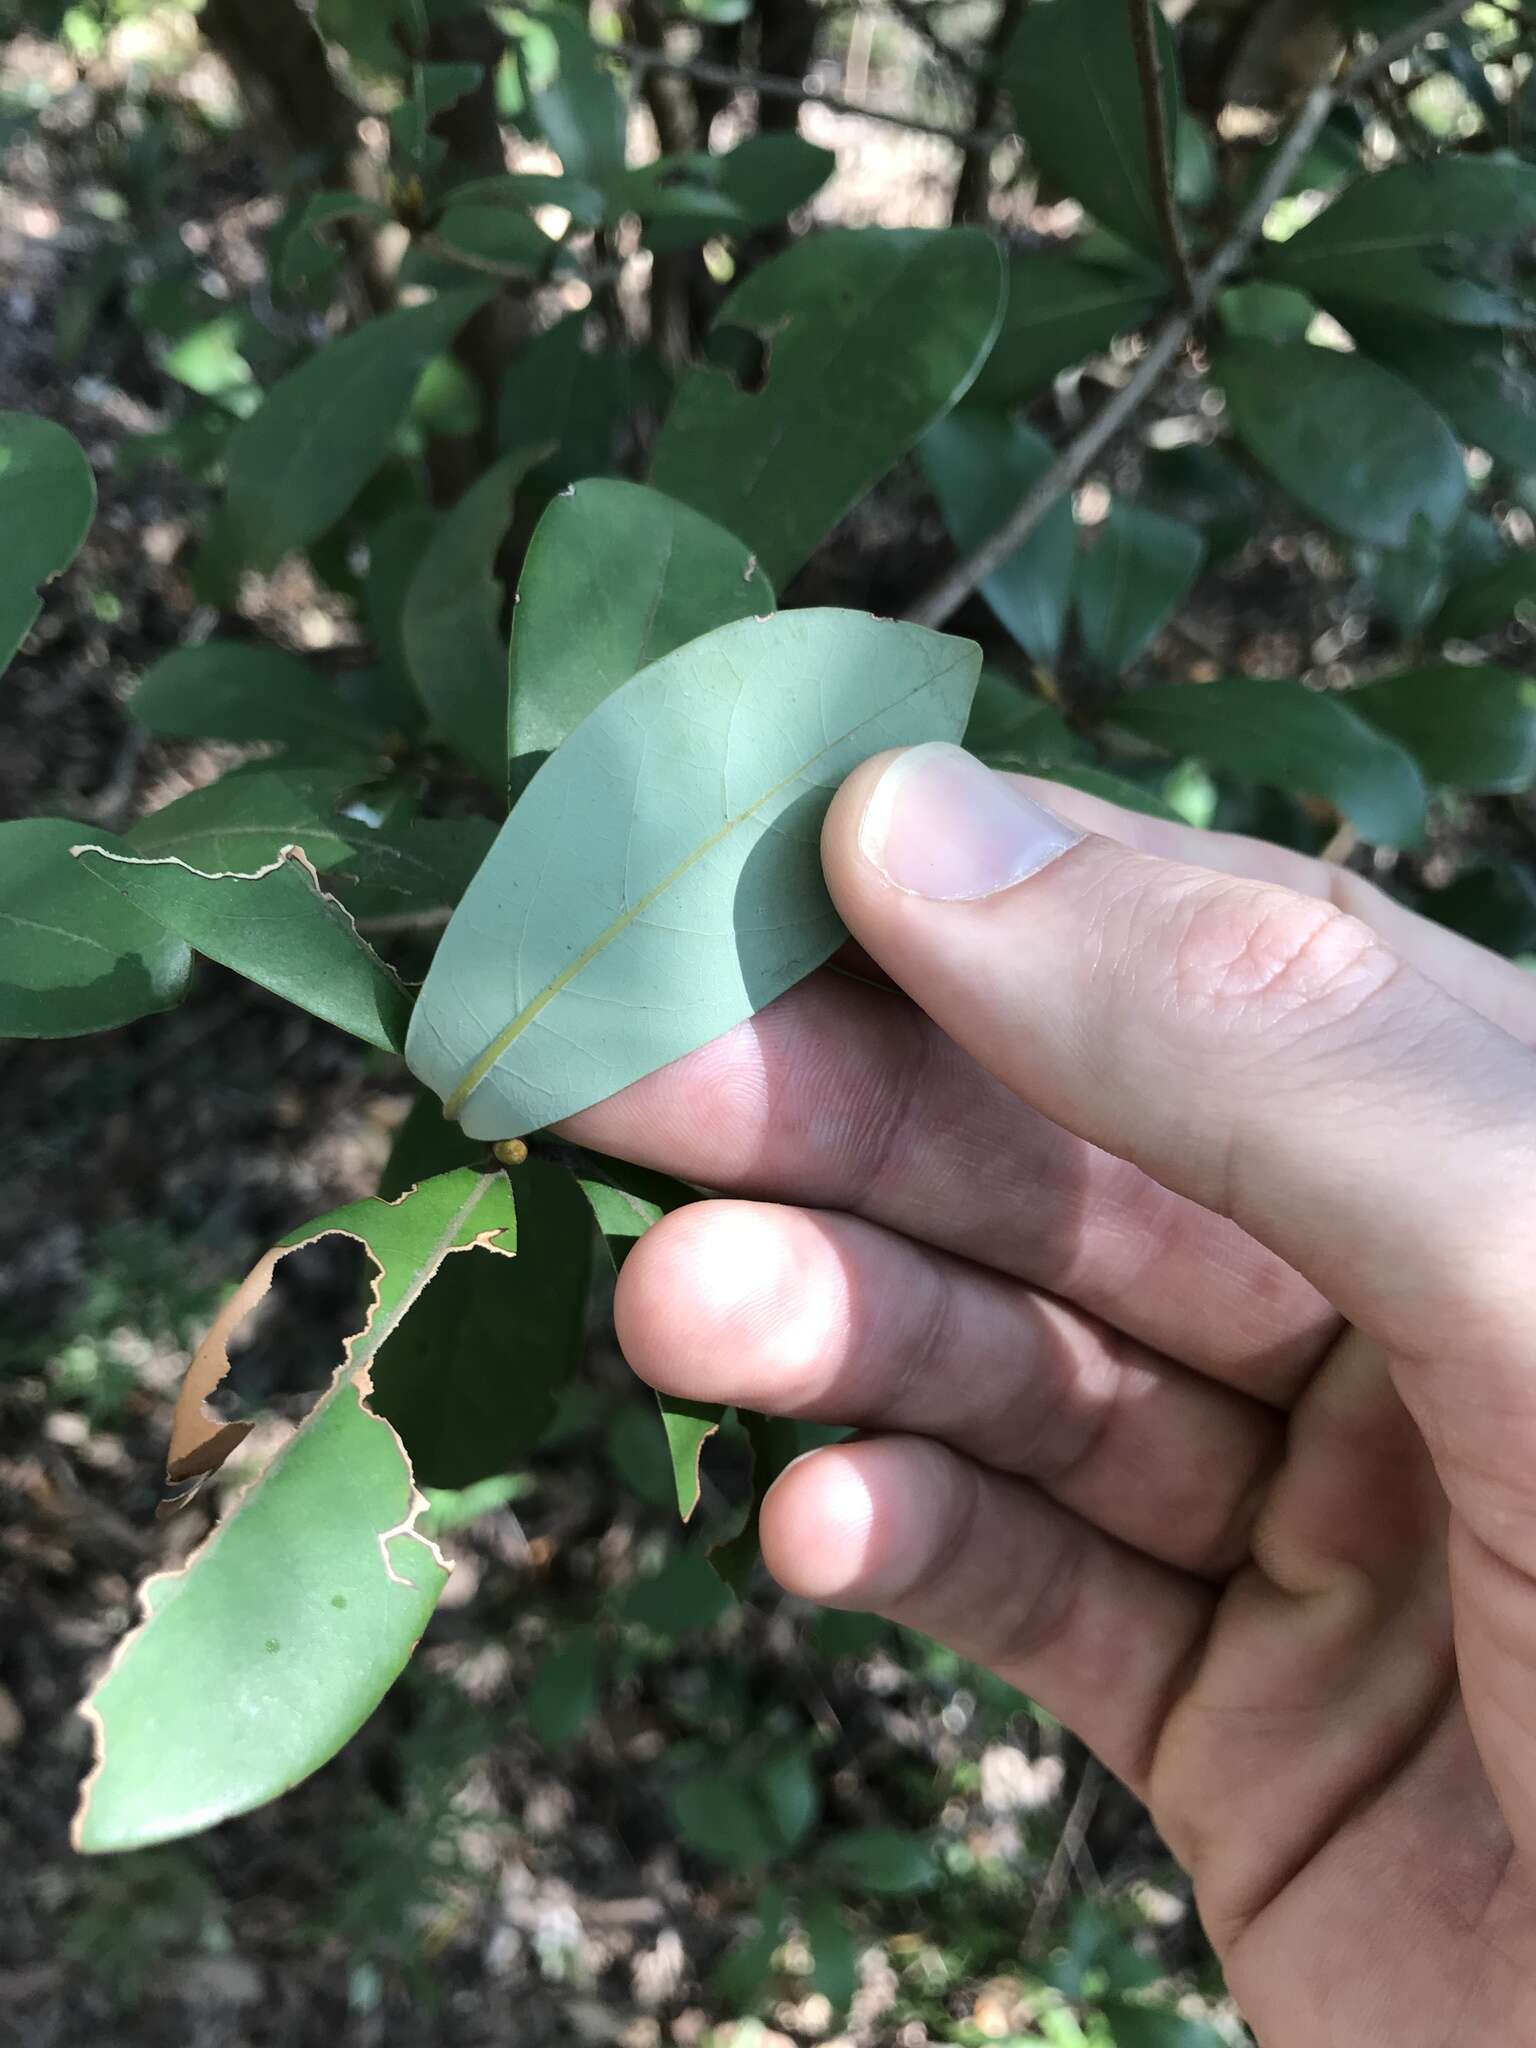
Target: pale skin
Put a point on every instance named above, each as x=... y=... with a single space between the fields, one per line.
x=1165 y=1225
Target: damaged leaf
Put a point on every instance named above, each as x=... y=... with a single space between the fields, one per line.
x=871 y=335
x=660 y=878
x=276 y=926
x=47 y=501
x=256 y=1660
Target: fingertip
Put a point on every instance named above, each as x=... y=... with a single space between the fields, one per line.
x=817 y=1526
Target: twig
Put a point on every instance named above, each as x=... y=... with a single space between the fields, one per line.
x=805 y=90
x=974 y=185
x=1154 y=117
x=1069 y=1849
x=911 y=14
x=956 y=584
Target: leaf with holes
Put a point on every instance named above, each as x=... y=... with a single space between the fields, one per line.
x=256 y=1660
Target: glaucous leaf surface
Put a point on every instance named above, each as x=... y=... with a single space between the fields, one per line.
x=1131 y=579
x=1468 y=728
x=451 y=625
x=1352 y=443
x=228 y=690
x=979 y=464
x=870 y=335
x=1071 y=74
x=47 y=502
x=471 y=1375
x=276 y=926
x=1058 y=311
x=1291 y=738
x=615 y=577
x=257 y=1659
x=298 y=462
x=73 y=956
x=659 y=879
x=1432 y=240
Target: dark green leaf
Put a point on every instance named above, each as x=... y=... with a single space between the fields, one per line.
x=47 y=502
x=1132 y=2025
x=563 y=1695
x=1204 y=489
x=661 y=871
x=1436 y=240
x=1488 y=396
x=716 y=1813
x=882 y=1859
x=382 y=34
x=834 y=1953
x=1408 y=582
x=615 y=577
x=451 y=625
x=274 y=1642
x=1006 y=718
x=870 y=336
x=1293 y=738
x=1493 y=905
x=1354 y=444
x=683 y=1596
x=979 y=464
x=298 y=462
x=471 y=1375
x=227 y=690
x=493 y=235
x=785 y=1783
x=558 y=391
x=571 y=90
x=1071 y=73
x=1131 y=580
x=1058 y=311
x=776 y=1443
x=1482 y=602
x=73 y=956
x=402 y=871
x=246 y=819
x=1469 y=728
x=276 y=926
x=746 y=1969
x=1099 y=782
x=1265 y=312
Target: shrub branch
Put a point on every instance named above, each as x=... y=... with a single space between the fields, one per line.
x=1160 y=145
x=951 y=589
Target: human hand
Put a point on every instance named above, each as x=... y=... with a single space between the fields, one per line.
x=1168 y=1229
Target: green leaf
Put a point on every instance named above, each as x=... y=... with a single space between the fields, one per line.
x=785 y=1782
x=1482 y=602
x=1354 y=444
x=716 y=1813
x=776 y=1443
x=298 y=462
x=47 y=502
x=1133 y=2025
x=246 y=818
x=402 y=871
x=1468 y=728
x=659 y=880
x=758 y=182
x=73 y=956
x=834 y=1953
x=226 y=690
x=1436 y=240
x=1291 y=738
x=1131 y=581
x=571 y=90
x=615 y=577
x=564 y=1693
x=1071 y=73
x=1006 y=718
x=682 y=1597
x=1265 y=312
x=379 y=33
x=493 y=234
x=1486 y=394
x=558 y=391
x=882 y=1859
x=746 y=1969
x=1058 y=311
x=871 y=334
x=520 y=190
x=1204 y=489
x=1407 y=582
x=979 y=465
x=275 y=1641
x=276 y=926
x=471 y=1376
x=451 y=625
x=1099 y=782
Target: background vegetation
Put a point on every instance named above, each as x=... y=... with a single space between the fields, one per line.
x=1235 y=491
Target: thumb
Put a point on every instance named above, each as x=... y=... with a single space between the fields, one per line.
x=1254 y=1049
